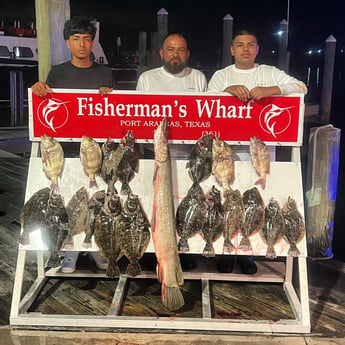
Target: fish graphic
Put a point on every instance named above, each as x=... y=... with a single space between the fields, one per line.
x=270 y=117
x=51 y=106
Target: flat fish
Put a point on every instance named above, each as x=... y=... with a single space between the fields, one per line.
x=96 y=202
x=261 y=161
x=254 y=214
x=91 y=159
x=223 y=166
x=190 y=216
x=274 y=227
x=134 y=233
x=108 y=163
x=56 y=229
x=199 y=162
x=129 y=163
x=52 y=159
x=78 y=216
x=107 y=236
x=233 y=209
x=214 y=225
x=294 y=225
x=169 y=271
x=33 y=214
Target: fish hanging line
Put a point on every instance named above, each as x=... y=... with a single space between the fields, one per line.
x=314 y=154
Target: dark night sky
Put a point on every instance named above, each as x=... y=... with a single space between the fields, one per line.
x=311 y=22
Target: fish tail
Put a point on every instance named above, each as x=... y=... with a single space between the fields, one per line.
x=245 y=244
x=133 y=269
x=208 y=251
x=293 y=250
x=172 y=297
x=93 y=183
x=270 y=253
x=183 y=246
x=261 y=182
x=54 y=187
x=125 y=189
x=228 y=246
x=112 y=270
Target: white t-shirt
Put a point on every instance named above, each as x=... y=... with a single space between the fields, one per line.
x=158 y=79
x=259 y=75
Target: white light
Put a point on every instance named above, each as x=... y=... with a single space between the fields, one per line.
x=280 y=32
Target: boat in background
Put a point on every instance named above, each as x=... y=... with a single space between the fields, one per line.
x=18 y=46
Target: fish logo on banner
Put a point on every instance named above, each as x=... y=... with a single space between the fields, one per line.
x=274 y=119
x=52 y=113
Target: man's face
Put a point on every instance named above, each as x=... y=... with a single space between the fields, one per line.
x=244 y=49
x=80 y=46
x=174 y=54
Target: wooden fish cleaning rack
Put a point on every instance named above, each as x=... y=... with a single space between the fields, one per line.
x=284 y=180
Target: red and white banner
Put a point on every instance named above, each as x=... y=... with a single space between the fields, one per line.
x=70 y=114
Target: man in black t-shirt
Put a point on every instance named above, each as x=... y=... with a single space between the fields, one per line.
x=78 y=73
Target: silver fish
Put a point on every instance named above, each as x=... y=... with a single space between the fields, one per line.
x=52 y=159
x=199 y=163
x=163 y=226
x=223 y=166
x=134 y=233
x=294 y=225
x=91 y=158
x=254 y=213
x=190 y=216
x=233 y=209
x=214 y=225
x=261 y=160
x=78 y=215
x=33 y=214
x=274 y=227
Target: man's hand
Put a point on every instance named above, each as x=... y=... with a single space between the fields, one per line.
x=103 y=90
x=259 y=92
x=239 y=91
x=40 y=89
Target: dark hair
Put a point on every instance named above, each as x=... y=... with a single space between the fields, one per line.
x=79 y=25
x=245 y=32
x=173 y=34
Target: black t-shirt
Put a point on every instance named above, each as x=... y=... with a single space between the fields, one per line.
x=68 y=76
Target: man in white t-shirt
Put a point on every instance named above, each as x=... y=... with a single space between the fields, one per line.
x=173 y=76
x=248 y=80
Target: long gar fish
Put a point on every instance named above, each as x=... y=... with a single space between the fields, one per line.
x=169 y=271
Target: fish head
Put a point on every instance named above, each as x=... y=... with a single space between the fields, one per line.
x=161 y=142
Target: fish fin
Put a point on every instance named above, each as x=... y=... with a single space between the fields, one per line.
x=183 y=246
x=133 y=269
x=172 y=297
x=208 y=251
x=261 y=182
x=112 y=270
x=293 y=250
x=245 y=244
x=228 y=246
x=270 y=253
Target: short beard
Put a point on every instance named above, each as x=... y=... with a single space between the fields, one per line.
x=174 y=69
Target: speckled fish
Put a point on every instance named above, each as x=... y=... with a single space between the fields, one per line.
x=223 y=166
x=294 y=225
x=56 y=228
x=254 y=215
x=52 y=159
x=190 y=216
x=107 y=167
x=134 y=234
x=274 y=227
x=78 y=216
x=91 y=159
x=33 y=214
x=129 y=163
x=214 y=225
x=95 y=204
x=106 y=234
x=169 y=271
x=261 y=161
x=233 y=209
x=199 y=163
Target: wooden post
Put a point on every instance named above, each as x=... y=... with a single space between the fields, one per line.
x=227 y=39
x=283 y=55
x=327 y=80
x=321 y=189
x=142 y=52
x=50 y=18
x=162 y=25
